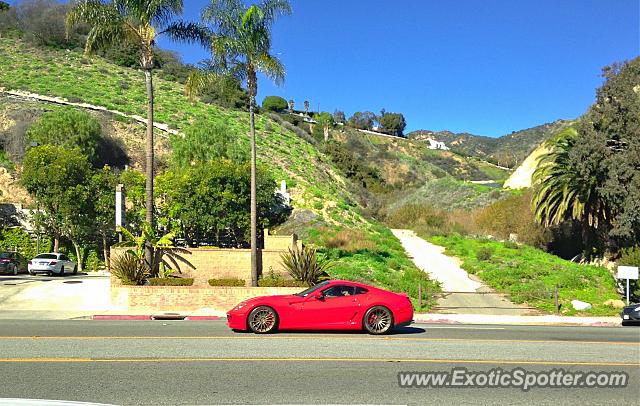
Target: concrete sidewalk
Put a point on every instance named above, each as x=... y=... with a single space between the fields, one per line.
x=545 y=320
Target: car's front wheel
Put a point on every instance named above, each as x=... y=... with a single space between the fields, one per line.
x=75 y=269
x=61 y=271
x=12 y=268
x=378 y=320
x=263 y=320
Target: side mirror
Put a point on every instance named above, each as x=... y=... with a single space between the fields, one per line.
x=319 y=296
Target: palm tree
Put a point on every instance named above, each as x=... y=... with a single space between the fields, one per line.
x=240 y=47
x=139 y=22
x=561 y=193
x=306 y=107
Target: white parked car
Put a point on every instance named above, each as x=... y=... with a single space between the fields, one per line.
x=51 y=263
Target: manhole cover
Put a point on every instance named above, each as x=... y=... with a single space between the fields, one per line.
x=70 y=282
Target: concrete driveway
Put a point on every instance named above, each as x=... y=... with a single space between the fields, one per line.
x=53 y=297
x=463 y=293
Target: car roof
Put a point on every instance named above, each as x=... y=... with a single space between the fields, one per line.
x=344 y=282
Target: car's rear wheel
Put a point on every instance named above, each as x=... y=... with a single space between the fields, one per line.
x=263 y=320
x=11 y=268
x=378 y=320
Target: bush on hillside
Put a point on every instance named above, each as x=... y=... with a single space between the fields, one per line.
x=68 y=128
x=513 y=215
x=274 y=104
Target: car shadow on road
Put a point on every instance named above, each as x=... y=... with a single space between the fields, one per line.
x=396 y=331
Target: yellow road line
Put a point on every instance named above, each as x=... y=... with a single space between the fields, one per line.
x=314 y=337
x=350 y=360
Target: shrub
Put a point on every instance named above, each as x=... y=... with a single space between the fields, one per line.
x=304 y=265
x=280 y=283
x=128 y=269
x=226 y=282
x=68 y=128
x=484 y=254
x=274 y=103
x=170 y=281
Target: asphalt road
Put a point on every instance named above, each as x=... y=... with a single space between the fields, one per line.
x=189 y=362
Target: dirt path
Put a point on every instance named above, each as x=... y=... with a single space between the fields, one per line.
x=463 y=293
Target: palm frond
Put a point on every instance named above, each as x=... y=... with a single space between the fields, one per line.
x=186 y=32
x=271 y=67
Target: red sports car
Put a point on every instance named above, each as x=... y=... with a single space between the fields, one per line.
x=330 y=305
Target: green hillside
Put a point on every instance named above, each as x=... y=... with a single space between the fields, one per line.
x=323 y=198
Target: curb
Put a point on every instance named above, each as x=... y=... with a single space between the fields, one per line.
x=434 y=318
x=151 y=317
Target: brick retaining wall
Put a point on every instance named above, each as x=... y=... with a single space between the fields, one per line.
x=182 y=298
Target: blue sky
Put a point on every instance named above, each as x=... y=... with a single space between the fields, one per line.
x=488 y=67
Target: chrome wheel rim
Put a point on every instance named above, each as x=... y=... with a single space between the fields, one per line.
x=263 y=320
x=378 y=320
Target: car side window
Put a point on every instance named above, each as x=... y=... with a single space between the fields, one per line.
x=64 y=258
x=338 y=290
x=360 y=291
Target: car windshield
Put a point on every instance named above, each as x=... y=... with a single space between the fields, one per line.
x=46 y=256
x=312 y=289
x=5 y=255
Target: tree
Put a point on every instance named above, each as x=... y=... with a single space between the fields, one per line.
x=292 y=104
x=203 y=142
x=241 y=47
x=362 y=120
x=325 y=121
x=339 y=117
x=56 y=178
x=141 y=22
x=210 y=201
x=392 y=123
x=68 y=128
x=102 y=186
x=4 y=6
x=274 y=103
x=306 y=107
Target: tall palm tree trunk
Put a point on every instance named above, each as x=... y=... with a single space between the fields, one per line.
x=149 y=161
x=254 y=208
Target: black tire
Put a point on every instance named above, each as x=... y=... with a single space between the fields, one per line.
x=75 y=269
x=378 y=320
x=32 y=273
x=61 y=274
x=12 y=269
x=263 y=320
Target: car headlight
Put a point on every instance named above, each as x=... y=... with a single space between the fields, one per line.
x=240 y=306
x=637 y=309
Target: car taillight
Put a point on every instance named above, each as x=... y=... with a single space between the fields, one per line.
x=29 y=262
x=5 y=260
x=52 y=263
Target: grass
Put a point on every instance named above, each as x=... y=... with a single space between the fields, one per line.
x=529 y=275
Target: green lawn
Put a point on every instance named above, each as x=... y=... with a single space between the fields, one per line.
x=529 y=275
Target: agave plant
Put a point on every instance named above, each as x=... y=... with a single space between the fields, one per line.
x=128 y=269
x=305 y=265
x=165 y=257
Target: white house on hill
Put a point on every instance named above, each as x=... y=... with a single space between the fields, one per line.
x=433 y=144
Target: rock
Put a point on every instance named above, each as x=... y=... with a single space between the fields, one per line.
x=616 y=304
x=578 y=305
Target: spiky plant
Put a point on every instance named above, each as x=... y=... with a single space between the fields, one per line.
x=128 y=268
x=241 y=47
x=305 y=265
